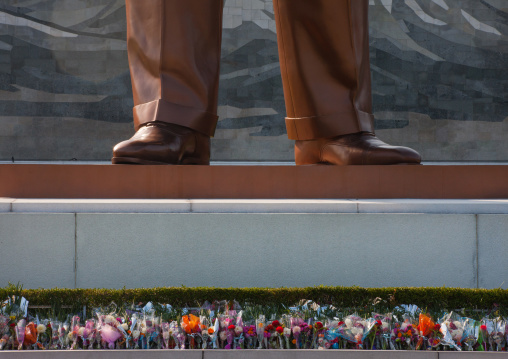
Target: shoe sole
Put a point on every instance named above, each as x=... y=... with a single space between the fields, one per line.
x=330 y=164
x=138 y=161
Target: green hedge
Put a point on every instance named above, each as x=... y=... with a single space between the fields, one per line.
x=342 y=297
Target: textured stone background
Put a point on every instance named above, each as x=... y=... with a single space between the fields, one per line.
x=439 y=70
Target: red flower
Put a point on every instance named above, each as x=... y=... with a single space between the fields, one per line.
x=231 y=327
x=483 y=327
x=13 y=325
x=269 y=327
x=378 y=323
x=341 y=323
x=276 y=323
x=279 y=330
x=437 y=327
x=318 y=325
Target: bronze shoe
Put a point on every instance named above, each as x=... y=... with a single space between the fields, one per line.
x=362 y=148
x=161 y=143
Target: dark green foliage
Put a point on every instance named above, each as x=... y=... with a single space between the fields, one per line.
x=432 y=299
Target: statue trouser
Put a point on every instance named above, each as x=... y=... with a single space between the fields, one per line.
x=174 y=50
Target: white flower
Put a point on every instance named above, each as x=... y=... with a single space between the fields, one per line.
x=238 y=330
x=287 y=332
x=125 y=326
x=403 y=327
x=349 y=323
x=135 y=334
x=81 y=331
x=385 y=326
x=296 y=329
x=458 y=324
x=356 y=331
x=204 y=332
x=223 y=335
x=143 y=330
x=69 y=335
x=110 y=319
x=41 y=328
x=457 y=334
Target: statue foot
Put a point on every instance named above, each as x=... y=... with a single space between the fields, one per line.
x=161 y=143
x=362 y=148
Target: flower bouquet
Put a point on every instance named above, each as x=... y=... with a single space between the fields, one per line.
x=74 y=332
x=87 y=334
x=296 y=325
x=260 y=331
x=381 y=331
x=4 y=331
x=20 y=332
x=191 y=325
x=108 y=327
x=496 y=329
x=429 y=331
x=166 y=334
x=206 y=331
x=178 y=334
x=452 y=328
x=404 y=335
x=43 y=335
x=355 y=330
x=471 y=333
x=152 y=331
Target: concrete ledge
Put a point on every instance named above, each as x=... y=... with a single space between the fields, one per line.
x=246 y=354
x=436 y=206
x=102 y=354
x=318 y=354
x=5 y=204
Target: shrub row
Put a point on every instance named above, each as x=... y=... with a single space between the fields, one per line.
x=341 y=297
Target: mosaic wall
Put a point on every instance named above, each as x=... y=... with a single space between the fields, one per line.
x=439 y=71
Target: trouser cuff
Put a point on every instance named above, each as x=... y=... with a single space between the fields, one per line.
x=341 y=123
x=164 y=111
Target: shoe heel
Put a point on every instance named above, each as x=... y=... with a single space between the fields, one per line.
x=307 y=153
x=201 y=154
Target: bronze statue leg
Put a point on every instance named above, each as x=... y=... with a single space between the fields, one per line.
x=174 y=57
x=174 y=51
x=324 y=47
x=324 y=59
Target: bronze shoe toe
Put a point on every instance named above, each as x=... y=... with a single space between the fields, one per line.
x=160 y=143
x=362 y=148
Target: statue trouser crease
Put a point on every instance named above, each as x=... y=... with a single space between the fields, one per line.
x=174 y=50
